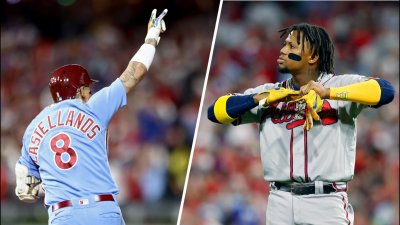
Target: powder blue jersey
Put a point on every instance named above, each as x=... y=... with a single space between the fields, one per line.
x=66 y=145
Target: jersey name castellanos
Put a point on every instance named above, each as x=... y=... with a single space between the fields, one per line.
x=66 y=145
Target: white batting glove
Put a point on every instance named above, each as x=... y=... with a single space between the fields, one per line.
x=27 y=188
x=156 y=26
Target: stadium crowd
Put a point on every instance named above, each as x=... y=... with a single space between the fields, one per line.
x=226 y=182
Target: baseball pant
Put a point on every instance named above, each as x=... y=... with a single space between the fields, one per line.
x=284 y=208
x=86 y=211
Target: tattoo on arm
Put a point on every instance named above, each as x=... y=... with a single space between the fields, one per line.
x=132 y=75
x=129 y=74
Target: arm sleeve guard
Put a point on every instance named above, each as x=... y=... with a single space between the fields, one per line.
x=374 y=92
x=229 y=107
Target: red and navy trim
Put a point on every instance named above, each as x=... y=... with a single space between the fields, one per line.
x=338 y=189
x=284 y=84
x=345 y=209
x=306 y=177
x=305 y=156
x=291 y=156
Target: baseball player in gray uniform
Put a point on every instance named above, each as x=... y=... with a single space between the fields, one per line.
x=307 y=128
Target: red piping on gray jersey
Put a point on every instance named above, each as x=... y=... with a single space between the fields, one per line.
x=284 y=84
x=339 y=189
x=305 y=156
x=291 y=156
x=345 y=209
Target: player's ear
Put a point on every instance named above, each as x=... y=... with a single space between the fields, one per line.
x=78 y=93
x=313 y=59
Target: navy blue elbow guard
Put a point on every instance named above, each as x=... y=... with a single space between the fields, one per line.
x=387 y=92
x=227 y=108
x=211 y=115
x=237 y=105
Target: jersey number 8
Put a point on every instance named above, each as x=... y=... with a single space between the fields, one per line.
x=61 y=150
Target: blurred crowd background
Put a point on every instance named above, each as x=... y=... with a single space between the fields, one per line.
x=226 y=182
x=151 y=138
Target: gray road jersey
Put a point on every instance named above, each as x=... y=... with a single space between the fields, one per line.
x=290 y=153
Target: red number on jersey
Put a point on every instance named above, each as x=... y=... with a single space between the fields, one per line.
x=63 y=149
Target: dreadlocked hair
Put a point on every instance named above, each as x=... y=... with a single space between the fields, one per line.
x=320 y=43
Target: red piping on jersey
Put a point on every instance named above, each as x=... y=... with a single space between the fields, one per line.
x=339 y=189
x=305 y=156
x=291 y=157
x=345 y=209
x=284 y=84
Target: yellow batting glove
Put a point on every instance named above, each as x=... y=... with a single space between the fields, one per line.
x=275 y=95
x=313 y=106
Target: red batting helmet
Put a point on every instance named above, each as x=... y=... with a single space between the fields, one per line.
x=66 y=80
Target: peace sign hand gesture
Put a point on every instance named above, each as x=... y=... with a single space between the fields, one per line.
x=156 y=26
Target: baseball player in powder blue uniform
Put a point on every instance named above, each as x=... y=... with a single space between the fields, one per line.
x=65 y=154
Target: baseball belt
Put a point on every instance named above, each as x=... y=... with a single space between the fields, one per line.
x=305 y=188
x=68 y=203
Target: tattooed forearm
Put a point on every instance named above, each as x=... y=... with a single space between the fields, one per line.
x=132 y=75
x=129 y=74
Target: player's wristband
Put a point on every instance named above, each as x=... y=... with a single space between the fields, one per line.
x=145 y=55
x=153 y=33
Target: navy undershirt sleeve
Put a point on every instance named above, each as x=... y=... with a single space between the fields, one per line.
x=387 y=92
x=235 y=106
x=211 y=115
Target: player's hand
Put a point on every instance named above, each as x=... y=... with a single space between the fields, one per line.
x=322 y=91
x=156 y=26
x=29 y=192
x=268 y=97
x=313 y=105
x=27 y=187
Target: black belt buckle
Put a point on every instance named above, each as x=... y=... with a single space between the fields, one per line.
x=302 y=189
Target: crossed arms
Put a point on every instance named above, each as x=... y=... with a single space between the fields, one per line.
x=373 y=92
